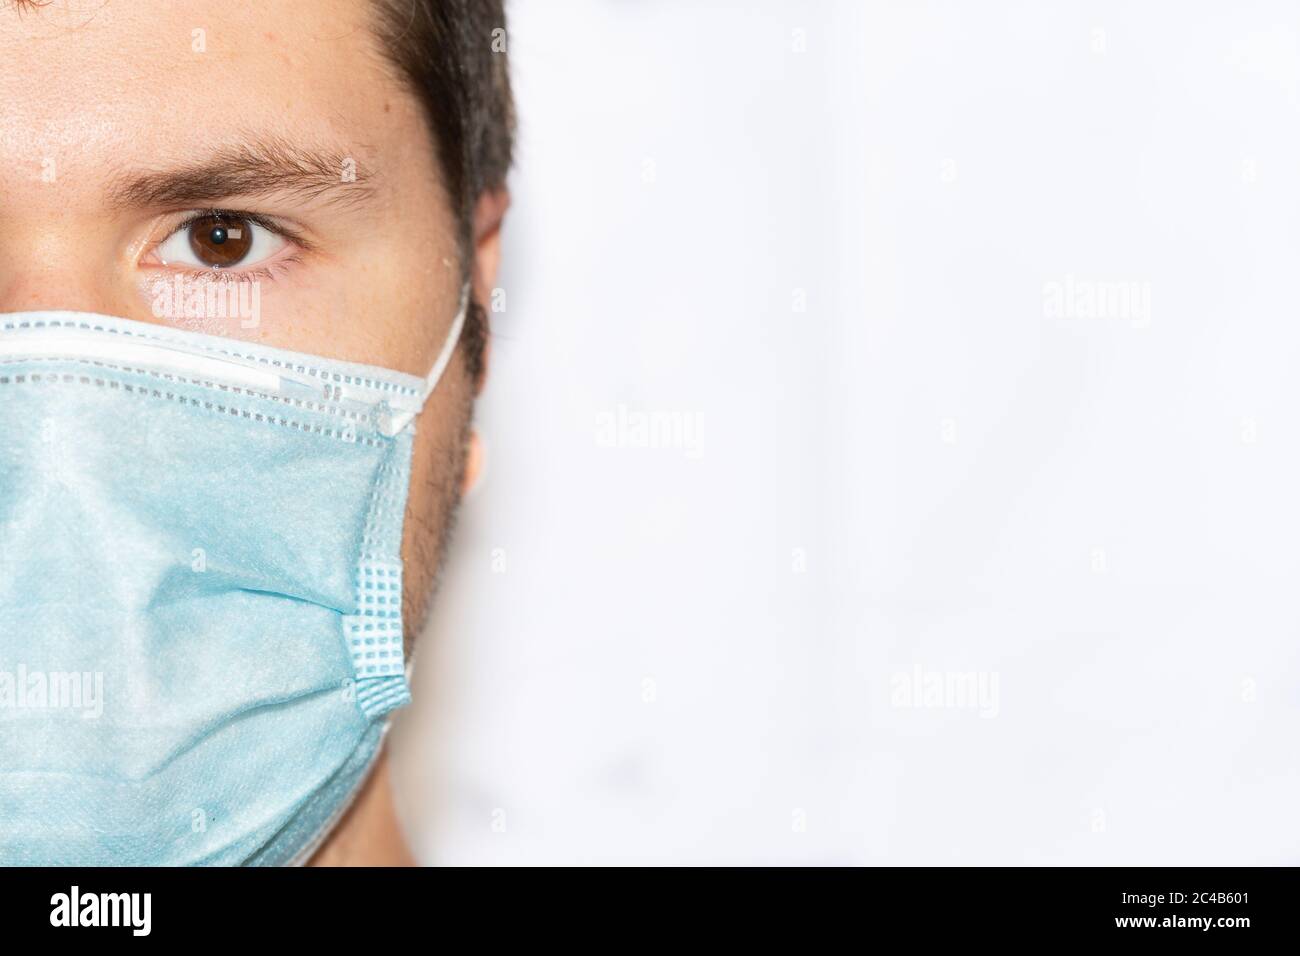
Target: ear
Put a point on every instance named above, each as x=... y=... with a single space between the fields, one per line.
x=473 y=464
x=489 y=212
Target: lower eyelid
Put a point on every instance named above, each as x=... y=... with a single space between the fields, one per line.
x=270 y=272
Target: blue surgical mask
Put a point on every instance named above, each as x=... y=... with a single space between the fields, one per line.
x=201 y=636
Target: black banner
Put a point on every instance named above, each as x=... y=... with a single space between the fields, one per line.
x=802 y=906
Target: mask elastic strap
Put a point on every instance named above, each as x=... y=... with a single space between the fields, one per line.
x=399 y=420
x=448 y=348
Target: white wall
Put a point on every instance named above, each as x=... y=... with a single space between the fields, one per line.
x=693 y=654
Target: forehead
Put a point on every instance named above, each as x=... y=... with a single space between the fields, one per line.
x=97 y=86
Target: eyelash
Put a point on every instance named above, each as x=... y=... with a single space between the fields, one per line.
x=267 y=272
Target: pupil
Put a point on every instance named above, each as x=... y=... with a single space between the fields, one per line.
x=218 y=235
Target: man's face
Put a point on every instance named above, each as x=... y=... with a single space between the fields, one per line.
x=122 y=122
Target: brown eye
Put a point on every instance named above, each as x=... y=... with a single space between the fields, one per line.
x=220 y=241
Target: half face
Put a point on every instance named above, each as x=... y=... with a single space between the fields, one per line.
x=255 y=171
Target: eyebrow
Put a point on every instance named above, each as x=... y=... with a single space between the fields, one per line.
x=253 y=167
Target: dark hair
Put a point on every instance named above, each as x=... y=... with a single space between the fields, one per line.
x=453 y=52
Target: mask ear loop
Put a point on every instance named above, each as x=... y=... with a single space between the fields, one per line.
x=448 y=348
x=396 y=422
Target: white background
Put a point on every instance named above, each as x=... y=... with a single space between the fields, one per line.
x=690 y=654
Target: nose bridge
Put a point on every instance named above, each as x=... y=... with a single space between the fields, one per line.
x=60 y=242
x=51 y=259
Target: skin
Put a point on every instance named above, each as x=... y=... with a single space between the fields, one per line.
x=95 y=94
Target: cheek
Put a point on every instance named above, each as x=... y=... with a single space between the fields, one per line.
x=437 y=468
